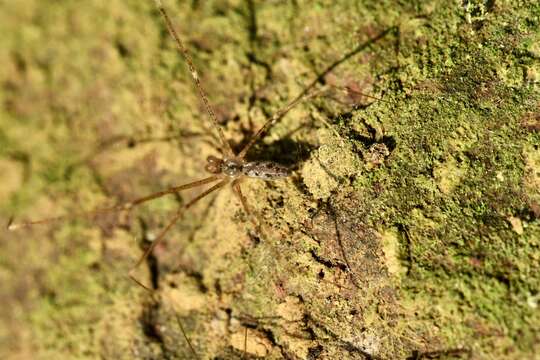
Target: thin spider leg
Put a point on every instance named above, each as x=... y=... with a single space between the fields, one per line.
x=277 y=116
x=173 y=221
x=226 y=146
x=186 y=337
x=254 y=217
x=243 y=201
x=347 y=89
x=342 y=248
x=120 y=207
x=175 y=190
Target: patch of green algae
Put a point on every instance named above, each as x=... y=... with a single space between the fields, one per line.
x=409 y=227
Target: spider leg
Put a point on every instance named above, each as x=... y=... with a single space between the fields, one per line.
x=172 y=222
x=120 y=207
x=238 y=192
x=283 y=111
x=185 y=54
x=277 y=116
x=245 y=342
x=186 y=337
x=254 y=217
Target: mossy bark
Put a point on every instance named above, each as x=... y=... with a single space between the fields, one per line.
x=409 y=228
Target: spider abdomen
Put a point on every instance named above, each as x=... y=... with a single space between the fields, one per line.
x=265 y=170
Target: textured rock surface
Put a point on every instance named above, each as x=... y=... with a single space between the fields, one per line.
x=410 y=227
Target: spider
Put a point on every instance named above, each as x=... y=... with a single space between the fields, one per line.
x=232 y=168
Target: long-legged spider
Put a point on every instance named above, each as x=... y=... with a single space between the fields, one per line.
x=232 y=168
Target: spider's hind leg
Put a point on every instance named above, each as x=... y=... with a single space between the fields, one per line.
x=254 y=217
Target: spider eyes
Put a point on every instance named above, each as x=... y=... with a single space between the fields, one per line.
x=212 y=160
x=213 y=165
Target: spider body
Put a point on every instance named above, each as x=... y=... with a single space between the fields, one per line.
x=235 y=168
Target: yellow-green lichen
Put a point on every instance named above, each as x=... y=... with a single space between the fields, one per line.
x=330 y=166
